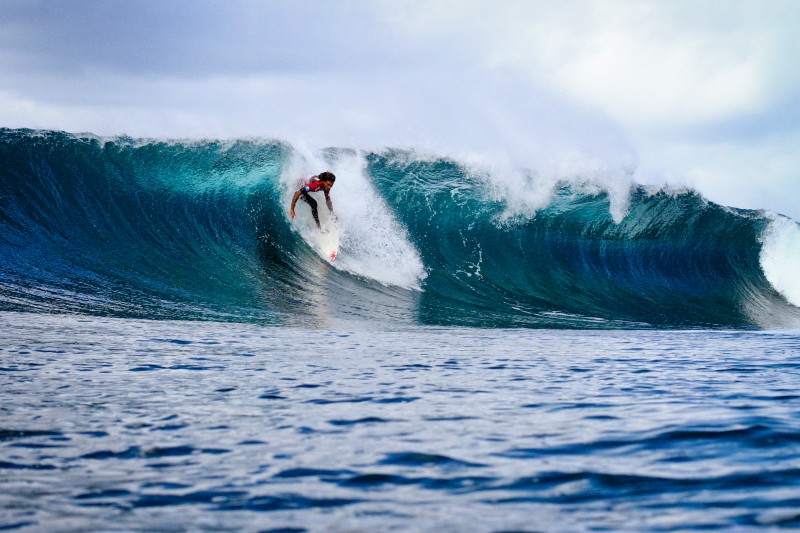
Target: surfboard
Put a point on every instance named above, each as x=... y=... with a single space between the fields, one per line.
x=328 y=240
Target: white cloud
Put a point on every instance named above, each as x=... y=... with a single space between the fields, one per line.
x=704 y=89
x=753 y=175
x=646 y=63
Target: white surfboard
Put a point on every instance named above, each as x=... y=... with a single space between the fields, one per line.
x=328 y=240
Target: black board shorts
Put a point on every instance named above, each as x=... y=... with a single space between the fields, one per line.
x=313 y=203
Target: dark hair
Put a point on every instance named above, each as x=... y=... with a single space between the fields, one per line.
x=327 y=176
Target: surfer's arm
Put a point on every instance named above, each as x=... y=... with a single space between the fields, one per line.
x=328 y=201
x=294 y=202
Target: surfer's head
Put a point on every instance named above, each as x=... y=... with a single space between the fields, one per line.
x=327 y=176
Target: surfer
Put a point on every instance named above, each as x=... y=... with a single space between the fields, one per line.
x=323 y=183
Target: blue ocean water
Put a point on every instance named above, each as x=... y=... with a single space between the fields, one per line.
x=126 y=424
x=486 y=353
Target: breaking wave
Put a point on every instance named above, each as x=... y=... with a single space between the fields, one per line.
x=199 y=230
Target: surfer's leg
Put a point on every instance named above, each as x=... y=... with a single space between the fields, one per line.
x=313 y=203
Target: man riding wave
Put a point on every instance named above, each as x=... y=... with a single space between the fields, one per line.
x=323 y=182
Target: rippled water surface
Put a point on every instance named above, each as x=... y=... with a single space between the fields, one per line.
x=113 y=424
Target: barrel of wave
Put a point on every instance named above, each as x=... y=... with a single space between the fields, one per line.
x=780 y=257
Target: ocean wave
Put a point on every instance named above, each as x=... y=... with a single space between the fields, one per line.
x=199 y=230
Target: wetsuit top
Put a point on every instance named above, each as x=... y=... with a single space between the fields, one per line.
x=313 y=185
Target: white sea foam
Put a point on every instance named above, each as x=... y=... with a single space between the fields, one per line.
x=373 y=244
x=525 y=190
x=780 y=257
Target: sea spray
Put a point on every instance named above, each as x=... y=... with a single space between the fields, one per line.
x=373 y=245
x=780 y=257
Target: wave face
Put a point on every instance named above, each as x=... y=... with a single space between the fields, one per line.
x=199 y=230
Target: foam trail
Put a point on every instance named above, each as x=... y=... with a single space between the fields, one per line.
x=780 y=257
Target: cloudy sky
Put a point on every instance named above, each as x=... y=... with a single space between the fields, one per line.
x=700 y=93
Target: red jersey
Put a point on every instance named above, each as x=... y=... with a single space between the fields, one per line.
x=313 y=185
